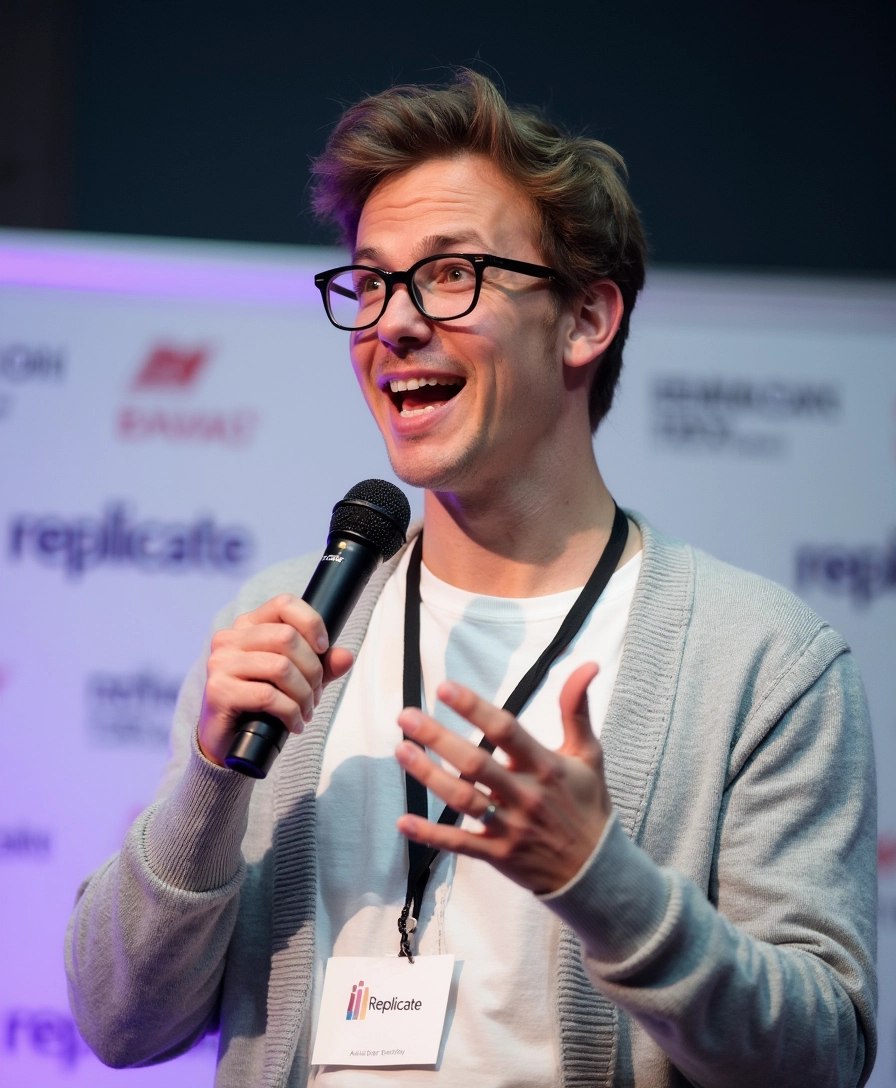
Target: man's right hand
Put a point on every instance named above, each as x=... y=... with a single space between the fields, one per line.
x=267 y=661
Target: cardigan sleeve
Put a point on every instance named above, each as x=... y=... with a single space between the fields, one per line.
x=147 y=942
x=769 y=979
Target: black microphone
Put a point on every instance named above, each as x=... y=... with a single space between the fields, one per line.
x=368 y=526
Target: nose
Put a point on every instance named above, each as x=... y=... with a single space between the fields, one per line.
x=402 y=327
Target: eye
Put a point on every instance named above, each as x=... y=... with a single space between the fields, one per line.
x=457 y=273
x=448 y=274
x=367 y=283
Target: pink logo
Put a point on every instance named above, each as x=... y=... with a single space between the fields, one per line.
x=357 y=1002
x=886 y=854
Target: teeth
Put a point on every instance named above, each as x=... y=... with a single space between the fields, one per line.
x=399 y=386
x=418 y=411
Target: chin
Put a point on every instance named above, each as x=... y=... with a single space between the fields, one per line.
x=433 y=473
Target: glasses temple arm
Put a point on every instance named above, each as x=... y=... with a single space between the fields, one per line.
x=338 y=289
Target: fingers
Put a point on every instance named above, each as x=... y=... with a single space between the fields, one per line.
x=459 y=793
x=289 y=609
x=579 y=739
x=274 y=660
x=276 y=653
x=474 y=764
x=336 y=663
x=550 y=806
x=234 y=676
x=445 y=837
x=275 y=638
x=227 y=698
x=500 y=727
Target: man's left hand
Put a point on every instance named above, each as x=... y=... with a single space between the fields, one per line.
x=551 y=807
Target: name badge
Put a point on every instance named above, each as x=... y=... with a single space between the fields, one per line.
x=382 y=1010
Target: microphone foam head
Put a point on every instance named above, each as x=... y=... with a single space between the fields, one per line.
x=376 y=510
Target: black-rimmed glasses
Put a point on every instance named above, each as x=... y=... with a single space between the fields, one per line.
x=443 y=287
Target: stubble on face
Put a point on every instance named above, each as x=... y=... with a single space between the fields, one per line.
x=474 y=470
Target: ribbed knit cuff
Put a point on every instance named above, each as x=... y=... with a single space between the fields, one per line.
x=617 y=901
x=193 y=837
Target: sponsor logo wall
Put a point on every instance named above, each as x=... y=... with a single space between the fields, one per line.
x=129 y=708
x=748 y=417
x=173 y=369
x=175 y=417
x=77 y=544
x=26 y=364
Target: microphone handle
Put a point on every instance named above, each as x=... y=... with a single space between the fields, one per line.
x=335 y=587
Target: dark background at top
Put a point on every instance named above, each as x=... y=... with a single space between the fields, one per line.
x=757 y=134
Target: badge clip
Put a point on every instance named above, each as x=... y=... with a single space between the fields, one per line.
x=407 y=924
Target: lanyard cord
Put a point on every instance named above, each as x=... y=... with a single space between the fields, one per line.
x=421 y=856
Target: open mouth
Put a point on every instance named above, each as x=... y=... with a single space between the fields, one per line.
x=414 y=396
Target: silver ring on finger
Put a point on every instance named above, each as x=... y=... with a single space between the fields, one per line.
x=490 y=813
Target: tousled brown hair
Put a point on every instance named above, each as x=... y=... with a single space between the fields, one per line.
x=590 y=228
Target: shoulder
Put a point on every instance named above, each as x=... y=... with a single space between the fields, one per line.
x=736 y=623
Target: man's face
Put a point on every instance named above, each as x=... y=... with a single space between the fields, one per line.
x=494 y=383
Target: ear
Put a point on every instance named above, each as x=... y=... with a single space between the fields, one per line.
x=594 y=320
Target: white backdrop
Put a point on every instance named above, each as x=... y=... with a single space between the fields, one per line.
x=175 y=416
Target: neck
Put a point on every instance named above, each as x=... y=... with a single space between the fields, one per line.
x=518 y=541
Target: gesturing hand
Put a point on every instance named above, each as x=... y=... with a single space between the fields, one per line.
x=267 y=661
x=551 y=807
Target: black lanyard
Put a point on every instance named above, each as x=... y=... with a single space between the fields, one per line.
x=421 y=856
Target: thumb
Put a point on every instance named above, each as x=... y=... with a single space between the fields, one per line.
x=337 y=661
x=578 y=736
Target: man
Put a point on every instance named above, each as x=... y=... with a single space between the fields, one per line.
x=689 y=899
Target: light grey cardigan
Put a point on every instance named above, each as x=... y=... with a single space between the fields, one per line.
x=723 y=932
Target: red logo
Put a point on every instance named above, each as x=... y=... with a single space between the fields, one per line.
x=169 y=367
x=886 y=854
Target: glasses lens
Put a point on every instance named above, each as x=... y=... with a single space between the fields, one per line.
x=445 y=287
x=356 y=297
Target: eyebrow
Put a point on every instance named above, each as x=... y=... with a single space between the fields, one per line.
x=432 y=243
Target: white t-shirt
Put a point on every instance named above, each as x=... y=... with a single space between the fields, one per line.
x=499 y=1029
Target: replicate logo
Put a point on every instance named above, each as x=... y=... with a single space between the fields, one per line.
x=360 y=1001
x=79 y=544
x=741 y=416
x=172 y=369
x=50 y=1033
x=169 y=367
x=130 y=709
x=46 y=1033
x=357 y=1002
x=862 y=573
